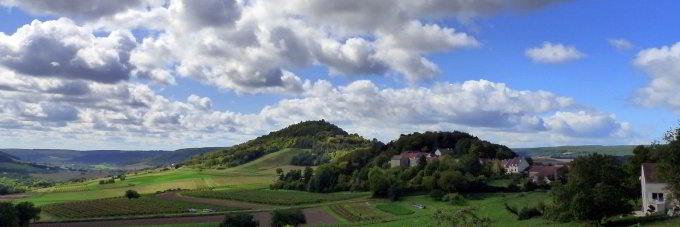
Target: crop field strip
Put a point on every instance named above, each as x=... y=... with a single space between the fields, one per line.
x=124 y=207
x=394 y=209
x=359 y=212
x=274 y=197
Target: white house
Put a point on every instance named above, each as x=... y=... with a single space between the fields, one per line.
x=515 y=165
x=440 y=151
x=655 y=193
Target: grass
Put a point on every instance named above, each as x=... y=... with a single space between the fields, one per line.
x=270 y=162
x=395 y=209
x=149 y=183
x=489 y=205
x=276 y=197
x=123 y=207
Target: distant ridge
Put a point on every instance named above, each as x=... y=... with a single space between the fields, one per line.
x=576 y=151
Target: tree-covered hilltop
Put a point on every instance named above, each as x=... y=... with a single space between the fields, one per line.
x=368 y=169
x=455 y=143
x=324 y=140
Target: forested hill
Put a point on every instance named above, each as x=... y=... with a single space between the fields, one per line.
x=323 y=140
x=457 y=170
x=455 y=143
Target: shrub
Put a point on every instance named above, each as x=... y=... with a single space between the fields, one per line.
x=454 y=199
x=526 y=212
x=437 y=194
x=132 y=194
x=512 y=187
x=293 y=217
x=239 y=220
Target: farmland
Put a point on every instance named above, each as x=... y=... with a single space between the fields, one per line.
x=359 y=212
x=124 y=207
x=150 y=183
x=276 y=197
x=394 y=209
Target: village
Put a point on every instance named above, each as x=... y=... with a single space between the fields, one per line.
x=654 y=197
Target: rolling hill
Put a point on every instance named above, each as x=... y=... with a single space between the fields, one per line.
x=576 y=151
x=116 y=158
x=322 y=140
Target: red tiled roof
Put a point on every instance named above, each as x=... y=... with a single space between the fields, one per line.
x=412 y=154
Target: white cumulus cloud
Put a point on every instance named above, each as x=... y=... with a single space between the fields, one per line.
x=551 y=53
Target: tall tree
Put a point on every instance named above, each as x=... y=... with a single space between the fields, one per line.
x=669 y=168
x=595 y=190
x=26 y=212
x=8 y=215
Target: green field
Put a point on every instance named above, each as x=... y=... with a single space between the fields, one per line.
x=489 y=205
x=269 y=163
x=145 y=205
x=395 y=209
x=276 y=197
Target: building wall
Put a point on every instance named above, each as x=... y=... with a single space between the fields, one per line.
x=647 y=199
x=395 y=163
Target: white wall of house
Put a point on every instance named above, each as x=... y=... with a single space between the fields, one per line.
x=519 y=167
x=395 y=163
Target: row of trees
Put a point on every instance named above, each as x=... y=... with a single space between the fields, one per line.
x=19 y=215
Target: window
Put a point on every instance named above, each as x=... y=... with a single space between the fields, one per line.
x=657 y=196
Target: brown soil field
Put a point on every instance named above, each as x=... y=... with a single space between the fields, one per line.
x=318 y=216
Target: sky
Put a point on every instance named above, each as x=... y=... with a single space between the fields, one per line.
x=169 y=74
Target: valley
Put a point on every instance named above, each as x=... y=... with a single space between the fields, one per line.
x=200 y=191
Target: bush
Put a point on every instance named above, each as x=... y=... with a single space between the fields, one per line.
x=437 y=194
x=526 y=212
x=529 y=186
x=239 y=220
x=454 y=199
x=132 y=194
x=293 y=217
x=512 y=187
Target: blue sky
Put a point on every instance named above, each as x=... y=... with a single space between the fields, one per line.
x=149 y=74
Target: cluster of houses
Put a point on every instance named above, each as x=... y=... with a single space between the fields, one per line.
x=515 y=165
x=410 y=158
x=655 y=193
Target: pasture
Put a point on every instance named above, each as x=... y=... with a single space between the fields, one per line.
x=183 y=178
x=276 y=197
